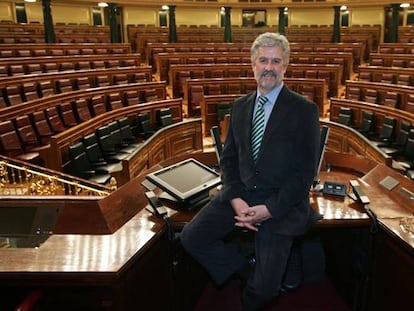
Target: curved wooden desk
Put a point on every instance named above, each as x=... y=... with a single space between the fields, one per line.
x=133 y=265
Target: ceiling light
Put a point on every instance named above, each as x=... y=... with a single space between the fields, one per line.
x=102 y=4
x=404 y=5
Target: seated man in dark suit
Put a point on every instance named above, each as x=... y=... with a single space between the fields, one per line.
x=268 y=164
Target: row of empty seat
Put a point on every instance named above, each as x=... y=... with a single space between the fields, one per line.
x=392 y=98
x=36 y=129
x=402 y=60
x=16 y=68
x=17 y=94
x=395 y=142
x=99 y=154
x=384 y=76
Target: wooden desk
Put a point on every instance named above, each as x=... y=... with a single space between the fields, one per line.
x=133 y=265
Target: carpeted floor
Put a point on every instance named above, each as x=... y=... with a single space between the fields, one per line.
x=320 y=296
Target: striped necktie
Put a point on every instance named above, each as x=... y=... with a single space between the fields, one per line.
x=258 y=127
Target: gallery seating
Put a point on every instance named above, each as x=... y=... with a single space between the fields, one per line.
x=345 y=116
x=396 y=147
x=164 y=117
x=80 y=166
x=387 y=132
x=11 y=146
x=144 y=128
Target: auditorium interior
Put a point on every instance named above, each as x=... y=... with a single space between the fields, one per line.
x=105 y=108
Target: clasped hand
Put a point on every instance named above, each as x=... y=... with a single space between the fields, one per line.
x=249 y=216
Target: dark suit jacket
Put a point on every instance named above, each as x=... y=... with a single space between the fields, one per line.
x=286 y=165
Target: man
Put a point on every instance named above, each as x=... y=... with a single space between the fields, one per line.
x=266 y=181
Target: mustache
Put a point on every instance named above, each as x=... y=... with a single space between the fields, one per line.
x=267 y=73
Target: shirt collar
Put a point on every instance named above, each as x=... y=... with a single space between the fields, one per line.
x=272 y=95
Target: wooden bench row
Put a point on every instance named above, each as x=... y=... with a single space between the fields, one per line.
x=19 y=89
x=207 y=101
x=40 y=28
x=178 y=73
x=368 y=34
x=28 y=65
x=395 y=48
x=163 y=61
x=406 y=34
x=332 y=73
x=141 y=38
x=397 y=96
x=358 y=49
x=379 y=110
x=394 y=75
x=61 y=49
x=164 y=47
x=60 y=37
x=137 y=90
x=392 y=60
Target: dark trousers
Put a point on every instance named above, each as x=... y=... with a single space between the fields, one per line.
x=204 y=239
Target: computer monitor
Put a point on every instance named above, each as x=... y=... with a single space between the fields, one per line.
x=188 y=182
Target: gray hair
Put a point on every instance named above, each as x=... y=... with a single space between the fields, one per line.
x=271 y=39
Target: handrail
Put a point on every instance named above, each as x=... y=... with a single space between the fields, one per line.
x=23 y=179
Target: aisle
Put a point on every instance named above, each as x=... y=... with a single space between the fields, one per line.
x=320 y=296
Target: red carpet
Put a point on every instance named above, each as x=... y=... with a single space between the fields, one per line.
x=320 y=296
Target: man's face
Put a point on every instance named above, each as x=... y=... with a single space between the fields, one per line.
x=269 y=68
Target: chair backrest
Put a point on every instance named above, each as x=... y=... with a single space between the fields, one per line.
x=97 y=105
x=67 y=116
x=367 y=122
x=409 y=147
x=55 y=122
x=388 y=127
x=9 y=140
x=114 y=101
x=82 y=111
x=345 y=116
x=75 y=150
x=131 y=98
x=144 y=127
x=42 y=127
x=92 y=149
x=164 y=117
x=217 y=143
x=126 y=130
x=26 y=132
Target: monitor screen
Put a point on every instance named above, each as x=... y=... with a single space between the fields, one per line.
x=185 y=180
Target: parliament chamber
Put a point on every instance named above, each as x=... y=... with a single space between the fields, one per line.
x=94 y=99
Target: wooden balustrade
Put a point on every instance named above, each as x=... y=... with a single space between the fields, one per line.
x=61 y=49
x=382 y=92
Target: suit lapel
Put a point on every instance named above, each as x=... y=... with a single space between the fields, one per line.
x=277 y=117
